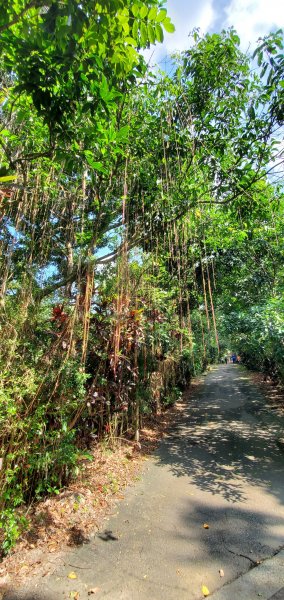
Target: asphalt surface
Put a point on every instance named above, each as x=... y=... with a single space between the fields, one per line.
x=219 y=466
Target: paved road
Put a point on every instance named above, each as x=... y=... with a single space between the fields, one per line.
x=219 y=465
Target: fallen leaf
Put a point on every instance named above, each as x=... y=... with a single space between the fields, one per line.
x=205 y=591
x=206 y=526
x=72 y=575
x=93 y=591
x=221 y=572
x=74 y=595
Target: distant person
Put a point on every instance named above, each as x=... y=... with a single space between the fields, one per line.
x=226 y=360
x=238 y=359
x=234 y=358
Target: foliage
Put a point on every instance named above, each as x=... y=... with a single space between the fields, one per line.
x=259 y=334
x=76 y=58
x=13 y=525
x=141 y=229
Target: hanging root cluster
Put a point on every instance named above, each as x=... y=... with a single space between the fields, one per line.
x=106 y=301
x=89 y=346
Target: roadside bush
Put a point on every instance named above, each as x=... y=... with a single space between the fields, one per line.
x=258 y=335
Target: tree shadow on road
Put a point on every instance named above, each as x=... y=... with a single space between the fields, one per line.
x=233 y=532
x=223 y=446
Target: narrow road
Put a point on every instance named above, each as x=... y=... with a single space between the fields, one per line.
x=221 y=466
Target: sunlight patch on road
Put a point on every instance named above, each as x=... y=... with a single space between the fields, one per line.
x=250 y=457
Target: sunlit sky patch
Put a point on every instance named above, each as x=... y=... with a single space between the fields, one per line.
x=251 y=18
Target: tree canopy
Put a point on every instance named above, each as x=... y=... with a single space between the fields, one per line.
x=141 y=225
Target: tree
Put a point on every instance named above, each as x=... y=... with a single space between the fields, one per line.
x=137 y=218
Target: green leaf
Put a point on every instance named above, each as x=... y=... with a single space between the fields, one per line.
x=98 y=166
x=151 y=33
x=135 y=10
x=251 y=113
x=5 y=132
x=152 y=13
x=143 y=34
x=130 y=40
x=264 y=70
x=7 y=178
x=123 y=133
x=161 y=15
x=143 y=11
x=168 y=25
x=259 y=58
x=159 y=33
x=135 y=30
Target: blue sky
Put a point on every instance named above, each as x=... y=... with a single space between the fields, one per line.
x=251 y=18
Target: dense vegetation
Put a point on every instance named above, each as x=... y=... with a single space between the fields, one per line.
x=141 y=226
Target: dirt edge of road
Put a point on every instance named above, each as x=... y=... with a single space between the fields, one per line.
x=274 y=393
x=72 y=518
x=60 y=523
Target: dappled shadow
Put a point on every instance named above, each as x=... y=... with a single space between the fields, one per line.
x=107 y=536
x=279 y=595
x=226 y=438
x=43 y=519
x=18 y=595
x=76 y=536
x=237 y=540
x=225 y=442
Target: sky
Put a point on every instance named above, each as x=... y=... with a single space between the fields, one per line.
x=251 y=18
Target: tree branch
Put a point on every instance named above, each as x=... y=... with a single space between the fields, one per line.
x=17 y=18
x=71 y=278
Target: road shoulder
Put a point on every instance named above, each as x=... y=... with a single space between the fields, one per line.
x=265 y=581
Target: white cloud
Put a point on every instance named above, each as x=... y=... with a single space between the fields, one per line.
x=206 y=17
x=254 y=18
x=251 y=18
x=185 y=16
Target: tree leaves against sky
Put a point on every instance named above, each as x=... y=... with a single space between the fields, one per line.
x=141 y=225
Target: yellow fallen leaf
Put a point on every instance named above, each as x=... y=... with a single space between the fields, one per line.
x=205 y=591
x=74 y=595
x=206 y=526
x=72 y=575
